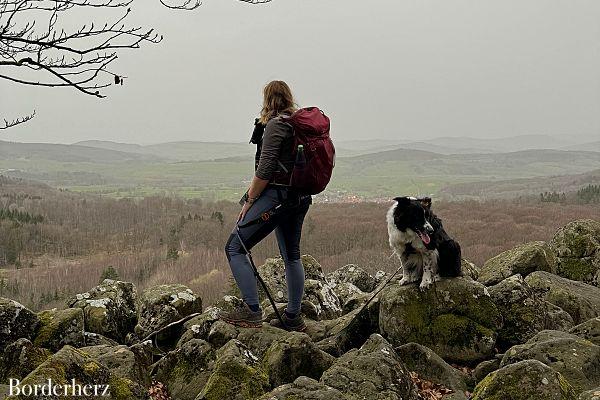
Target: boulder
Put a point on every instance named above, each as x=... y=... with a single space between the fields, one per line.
x=486 y=367
x=67 y=364
x=469 y=269
x=304 y=388
x=122 y=362
x=326 y=303
x=292 y=356
x=589 y=330
x=523 y=260
x=258 y=340
x=431 y=367
x=456 y=318
x=346 y=292
x=108 y=309
x=16 y=321
x=352 y=274
x=580 y=300
x=220 y=333
x=199 y=326
x=525 y=312
x=186 y=369
x=237 y=375
x=20 y=358
x=349 y=331
x=95 y=339
x=372 y=372
x=162 y=304
x=577 y=359
x=578 y=249
x=593 y=394
x=60 y=327
x=525 y=380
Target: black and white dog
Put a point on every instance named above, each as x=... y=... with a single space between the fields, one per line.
x=418 y=238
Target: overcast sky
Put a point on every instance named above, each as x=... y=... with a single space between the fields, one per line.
x=391 y=69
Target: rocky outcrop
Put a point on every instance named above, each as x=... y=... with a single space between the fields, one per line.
x=59 y=328
x=292 y=356
x=593 y=394
x=577 y=359
x=372 y=372
x=108 y=309
x=355 y=275
x=525 y=312
x=16 y=321
x=163 y=304
x=304 y=388
x=525 y=380
x=578 y=249
x=456 y=318
x=580 y=300
x=430 y=366
x=588 y=330
x=237 y=375
x=20 y=358
x=523 y=260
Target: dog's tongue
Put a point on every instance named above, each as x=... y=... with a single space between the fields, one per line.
x=424 y=237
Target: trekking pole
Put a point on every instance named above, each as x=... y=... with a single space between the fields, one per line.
x=260 y=279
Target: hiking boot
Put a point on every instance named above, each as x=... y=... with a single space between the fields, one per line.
x=242 y=316
x=292 y=324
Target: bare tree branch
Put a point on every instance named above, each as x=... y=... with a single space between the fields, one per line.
x=9 y=124
x=37 y=48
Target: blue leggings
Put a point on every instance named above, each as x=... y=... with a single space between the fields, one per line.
x=287 y=223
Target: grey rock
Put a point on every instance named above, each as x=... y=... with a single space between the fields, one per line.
x=525 y=380
x=580 y=300
x=60 y=327
x=578 y=249
x=108 y=309
x=577 y=359
x=220 y=333
x=199 y=326
x=16 y=321
x=593 y=394
x=589 y=330
x=523 y=260
x=20 y=358
x=372 y=372
x=485 y=368
x=304 y=388
x=353 y=274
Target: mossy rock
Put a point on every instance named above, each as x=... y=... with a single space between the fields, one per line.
x=237 y=375
x=353 y=274
x=372 y=372
x=577 y=359
x=580 y=300
x=258 y=340
x=469 y=269
x=16 y=321
x=304 y=388
x=59 y=328
x=523 y=260
x=486 y=367
x=108 y=309
x=199 y=326
x=185 y=370
x=593 y=394
x=431 y=367
x=589 y=330
x=525 y=380
x=350 y=330
x=578 y=249
x=122 y=362
x=292 y=356
x=162 y=304
x=20 y=358
x=456 y=318
x=525 y=312
x=65 y=365
x=220 y=333
x=326 y=303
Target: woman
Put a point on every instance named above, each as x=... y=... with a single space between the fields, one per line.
x=270 y=188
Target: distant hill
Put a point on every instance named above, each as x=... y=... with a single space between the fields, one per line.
x=181 y=151
x=591 y=146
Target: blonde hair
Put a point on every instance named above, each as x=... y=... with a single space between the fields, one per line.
x=277 y=99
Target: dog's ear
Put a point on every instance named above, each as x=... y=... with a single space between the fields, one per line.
x=425 y=202
x=402 y=201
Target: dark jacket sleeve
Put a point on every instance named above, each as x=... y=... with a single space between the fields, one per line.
x=276 y=132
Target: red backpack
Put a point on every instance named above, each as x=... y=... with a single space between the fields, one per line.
x=311 y=130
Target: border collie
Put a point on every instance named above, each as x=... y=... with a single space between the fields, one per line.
x=418 y=238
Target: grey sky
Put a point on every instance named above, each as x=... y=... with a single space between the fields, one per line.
x=380 y=69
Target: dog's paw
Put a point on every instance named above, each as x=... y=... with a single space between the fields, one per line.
x=403 y=281
x=425 y=285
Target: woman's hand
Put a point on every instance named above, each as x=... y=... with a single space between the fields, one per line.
x=244 y=210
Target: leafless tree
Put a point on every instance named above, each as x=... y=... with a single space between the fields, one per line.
x=39 y=48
